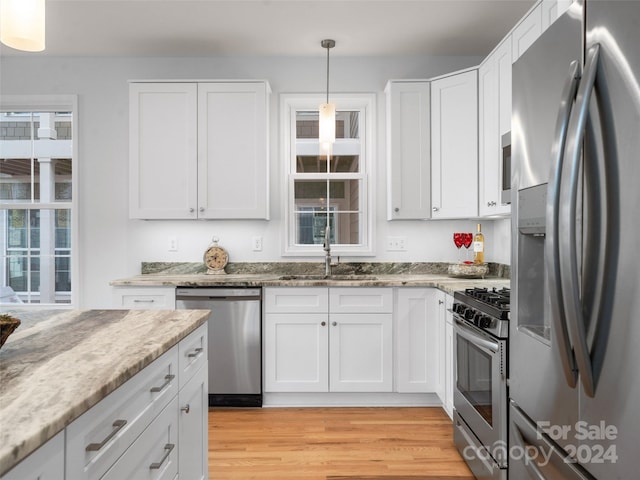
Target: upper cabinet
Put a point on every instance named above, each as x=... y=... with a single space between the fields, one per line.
x=408 y=150
x=552 y=9
x=494 y=110
x=454 y=146
x=199 y=150
x=527 y=32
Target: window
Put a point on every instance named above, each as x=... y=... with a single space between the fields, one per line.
x=332 y=191
x=37 y=173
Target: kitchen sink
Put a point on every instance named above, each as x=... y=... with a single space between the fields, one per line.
x=337 y=277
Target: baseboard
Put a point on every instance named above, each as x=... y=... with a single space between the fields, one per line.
x=330 y=399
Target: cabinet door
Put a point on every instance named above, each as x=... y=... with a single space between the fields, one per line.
x=233 y=152
x=526 y=32
x=360 y=350
x=417 y=342
x=162 y=150
x=454 y=163
x=552 y=9
x=193 y=422
x=46 y=463
x=450 y=357
x=296 y=352
x=494 y=104
x=408 y=150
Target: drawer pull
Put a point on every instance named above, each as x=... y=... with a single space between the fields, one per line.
x=137 y=300
x=185 y=409
x=167 y=381
x=94 y=447
x=195 y=353
x=168 y=448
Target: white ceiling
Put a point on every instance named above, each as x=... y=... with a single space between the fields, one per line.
x=275 y=27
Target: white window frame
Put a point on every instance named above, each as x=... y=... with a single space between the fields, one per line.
x=55 y=103
x=289 y=105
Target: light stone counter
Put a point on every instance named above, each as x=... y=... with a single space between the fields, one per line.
x=443 y=282
x=59 y=363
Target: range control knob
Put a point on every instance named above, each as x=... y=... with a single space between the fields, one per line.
x=458 y=308
x=484 y=322
x=469 y=314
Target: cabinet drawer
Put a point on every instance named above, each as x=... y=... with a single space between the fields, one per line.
x=97 y=438
x=46 y=463
x=154 y=455
x=296 y=300
x=144 y=298
x=361 y=300
x=192 y=353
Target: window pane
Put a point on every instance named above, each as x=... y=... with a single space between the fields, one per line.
x=345 y=195
x=310 y=193
x=347 y=124
x=17 y=180
x=347 y=228
x=311 y=223
x=307 y=124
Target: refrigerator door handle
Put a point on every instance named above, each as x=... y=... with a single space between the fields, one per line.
x=568 y=212
x=552 y=230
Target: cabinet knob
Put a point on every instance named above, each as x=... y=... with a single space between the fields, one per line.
x=191 y=210
x=201 y=209
x=185 y=409
x=323 y=323
x=440 y=302
x=435 y=209
x=396 y=209
x=334 y=323
x=492 y=203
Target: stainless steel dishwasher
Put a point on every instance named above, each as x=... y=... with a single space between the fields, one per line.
x=235 y=353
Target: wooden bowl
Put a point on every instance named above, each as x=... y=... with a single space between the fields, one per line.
x=7 y=325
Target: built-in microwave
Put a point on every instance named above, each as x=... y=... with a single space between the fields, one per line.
x=505 y=170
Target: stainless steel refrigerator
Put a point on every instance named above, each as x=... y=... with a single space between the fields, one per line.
x=574 y=340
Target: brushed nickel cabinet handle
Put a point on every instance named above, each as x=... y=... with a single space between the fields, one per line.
x=167 y=381
x=168 y=448
x=117 y=426
x=195 y=353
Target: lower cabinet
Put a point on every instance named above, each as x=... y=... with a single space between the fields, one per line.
x=336 y=341
x=153 y=426
x=449 y=357
x=46 y=463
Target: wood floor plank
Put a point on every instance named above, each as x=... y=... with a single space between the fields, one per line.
x=333 y=444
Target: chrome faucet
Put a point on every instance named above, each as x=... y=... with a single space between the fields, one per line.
x=327 y=251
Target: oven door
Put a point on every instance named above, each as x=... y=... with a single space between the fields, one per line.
x=480 y=393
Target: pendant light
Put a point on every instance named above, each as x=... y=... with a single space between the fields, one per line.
x=327 y=126
x=22 y=24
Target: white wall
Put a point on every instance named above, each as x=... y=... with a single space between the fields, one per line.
x=112 y=246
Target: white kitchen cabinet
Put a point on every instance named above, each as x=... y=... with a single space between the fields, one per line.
x=345 y=347
x=552 y=9
x=417 y=341
x=408 y=150
x=144 y=298
x=454 y=142
x=199 y=150
x=193 y=434
x=46 y=463
x=526 y=32
x=494 y=110
x=153 y=455
x=450 y=358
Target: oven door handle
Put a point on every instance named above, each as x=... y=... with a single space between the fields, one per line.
x=467 y=333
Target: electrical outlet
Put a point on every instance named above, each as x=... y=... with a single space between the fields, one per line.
x=172 y=244
x=256 y=244
x=396 y=244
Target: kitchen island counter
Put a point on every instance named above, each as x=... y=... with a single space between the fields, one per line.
x=60 y=363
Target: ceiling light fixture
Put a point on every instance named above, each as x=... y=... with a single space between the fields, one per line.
x=327 y=127
x=22 y=24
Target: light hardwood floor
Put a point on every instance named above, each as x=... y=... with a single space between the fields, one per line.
x=333 y=444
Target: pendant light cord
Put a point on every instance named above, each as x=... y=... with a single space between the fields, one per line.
x=328 y=48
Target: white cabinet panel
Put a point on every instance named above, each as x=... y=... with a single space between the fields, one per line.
x=296 y=352
x=450 y=358
x=408 y=150
x=417 y=341
x=552 y=9
x=454 y=141
x=526 y=32
x=46 y=463
x=162 y=150
x=192 y=354
x=360 y=353
x=360 y=300
x=233 y=174
x=193 y=448
x=296 y=300
x=144 y=298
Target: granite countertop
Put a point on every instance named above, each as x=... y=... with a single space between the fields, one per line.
x=59 y=363
x=300 y=274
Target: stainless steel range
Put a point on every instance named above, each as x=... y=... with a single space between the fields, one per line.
x=480 y=394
